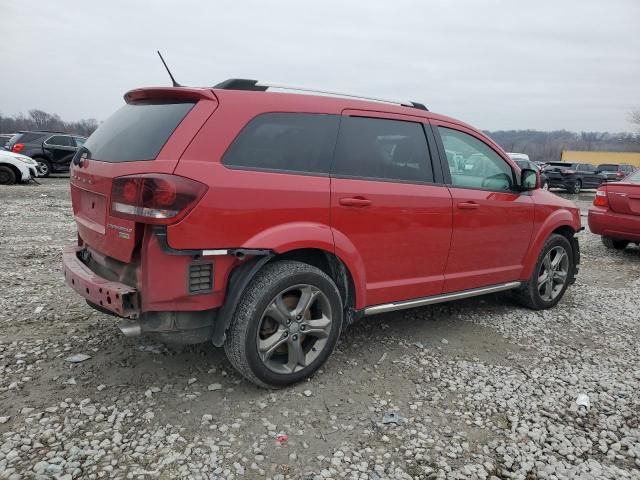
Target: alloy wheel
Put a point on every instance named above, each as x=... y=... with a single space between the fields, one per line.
x=294 y=329
x=42 y=168
x=553 y=273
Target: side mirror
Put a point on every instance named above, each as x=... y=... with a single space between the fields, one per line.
x=529 y=179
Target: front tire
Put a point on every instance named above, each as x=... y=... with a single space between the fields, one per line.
x=43 y=167
x=614 y=244
x=7 y=176
x=551 y=276
x=286 y=325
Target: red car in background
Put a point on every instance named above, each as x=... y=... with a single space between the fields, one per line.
x=616 y=212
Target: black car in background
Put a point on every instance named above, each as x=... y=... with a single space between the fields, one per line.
x=52 y=150
x=573 y=177
x=614 y=172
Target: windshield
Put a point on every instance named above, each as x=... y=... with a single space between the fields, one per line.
x=136 y=132
x=608 y=168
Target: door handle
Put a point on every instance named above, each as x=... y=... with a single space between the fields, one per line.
x=468 y=205
x=355 y=202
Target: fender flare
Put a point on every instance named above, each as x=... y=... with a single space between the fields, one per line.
x=282 y=239
x=558 y=219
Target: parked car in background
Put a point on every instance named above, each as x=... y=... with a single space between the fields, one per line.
x=52 y=151
x=615 y=214
x=4 y=140
x=613 y=172
x=573 y=177
x=522 y=160
x=16 y=168
x=186 y=224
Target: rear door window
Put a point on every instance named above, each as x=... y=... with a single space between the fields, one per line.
x=287 y=142
x=136 y=131
x=383 y=149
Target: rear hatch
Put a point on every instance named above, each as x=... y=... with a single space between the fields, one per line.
x=556 y=170
x=147 y=135
x=609 y=172
x=624 y=197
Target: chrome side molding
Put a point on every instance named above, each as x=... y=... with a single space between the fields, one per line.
x=419 y=302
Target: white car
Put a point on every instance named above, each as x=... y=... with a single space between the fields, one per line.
x=16 y=168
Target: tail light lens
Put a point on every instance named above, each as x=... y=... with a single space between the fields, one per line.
x=600 y=200
x=619 y=174
x=567 y=171
x=154 y=198
x=17 y=148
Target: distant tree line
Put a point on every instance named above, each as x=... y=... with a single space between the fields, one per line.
x=540 y=146
x=548 y=146
x=40 y=120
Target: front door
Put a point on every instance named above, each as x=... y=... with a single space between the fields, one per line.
x=492 y=223
x=387 y=206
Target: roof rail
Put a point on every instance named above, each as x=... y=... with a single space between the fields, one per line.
x=257 y=86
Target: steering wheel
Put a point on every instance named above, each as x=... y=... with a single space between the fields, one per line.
x=492 y=181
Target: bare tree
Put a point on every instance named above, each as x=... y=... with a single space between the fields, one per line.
x=634 y=117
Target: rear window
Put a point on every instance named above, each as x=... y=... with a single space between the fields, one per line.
x=634 y=177
x=136 y=131
x=289 y=142
x=28 y=137
x=608 y=168
x=561 y=164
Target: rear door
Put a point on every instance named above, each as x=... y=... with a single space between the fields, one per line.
x=146 y=136
x=492 y=223
x=387 y=202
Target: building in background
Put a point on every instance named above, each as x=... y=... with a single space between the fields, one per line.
x=598 y=158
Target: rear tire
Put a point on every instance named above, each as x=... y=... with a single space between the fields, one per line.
x=549 y=280
x=614 y=244
x=43 y=167
x=545 y=186
x=270 y=340
x=7 y=175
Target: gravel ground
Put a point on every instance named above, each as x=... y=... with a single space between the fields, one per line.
x=480 y=389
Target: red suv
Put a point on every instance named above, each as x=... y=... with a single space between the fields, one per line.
x=267 y=221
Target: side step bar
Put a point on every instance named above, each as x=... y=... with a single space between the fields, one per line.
x=420 y=302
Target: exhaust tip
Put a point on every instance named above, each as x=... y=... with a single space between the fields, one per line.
x=130 y=329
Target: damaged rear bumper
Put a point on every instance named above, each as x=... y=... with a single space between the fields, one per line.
x=115 y=297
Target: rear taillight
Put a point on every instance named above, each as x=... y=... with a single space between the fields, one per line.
x=567 y=171
x=619 y=174
x=17 y=148
x=600 y=200
x=154 y=198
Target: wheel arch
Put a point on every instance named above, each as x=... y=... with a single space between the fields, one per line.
x=561 y=222
x=323 y=259
x=16 y=171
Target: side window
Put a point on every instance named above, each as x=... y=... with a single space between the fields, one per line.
x=60 y=140
x=476 y=164
x=293 y=142
x=382 y=149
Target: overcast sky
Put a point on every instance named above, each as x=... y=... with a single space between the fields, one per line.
x=497 y=64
